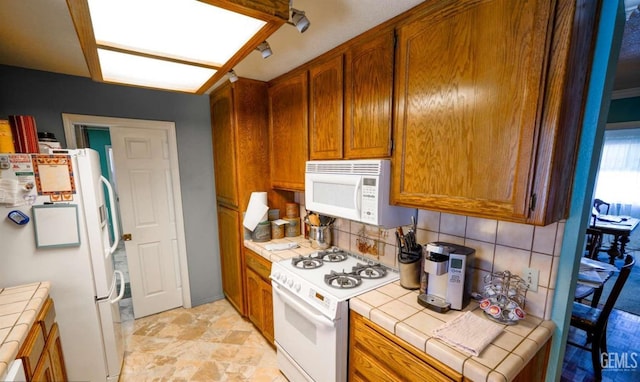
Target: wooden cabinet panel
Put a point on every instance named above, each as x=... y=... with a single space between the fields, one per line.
x=54 y=352
x=377 y=355
x=254 y=300
x=41 y=353
x=325 y=109
x=229 y=224
x=259 y=298
x=288 y=135
x=224 y=148
x=467 y=103
x=369 y=97
x=267 y=312
x=485 y=124
x=240 y=141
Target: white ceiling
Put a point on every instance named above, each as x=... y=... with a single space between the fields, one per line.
x=39 y=34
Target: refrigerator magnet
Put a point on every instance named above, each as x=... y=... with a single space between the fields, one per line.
x=18 y=217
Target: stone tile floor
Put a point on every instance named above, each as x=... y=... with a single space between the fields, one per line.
x=210 y=342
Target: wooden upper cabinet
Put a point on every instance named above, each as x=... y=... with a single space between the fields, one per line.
x=325 y=109
x=288 y=124
x=369 y=97
x=239 y=126
x=471 y=82
x=224 y=154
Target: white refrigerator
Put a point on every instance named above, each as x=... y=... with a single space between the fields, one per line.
x=54 y=227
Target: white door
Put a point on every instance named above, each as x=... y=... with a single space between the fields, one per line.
x=143 y=178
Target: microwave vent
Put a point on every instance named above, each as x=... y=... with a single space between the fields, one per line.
x=339 y=167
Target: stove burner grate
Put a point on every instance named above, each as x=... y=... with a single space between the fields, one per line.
x=334 y=255
x=369 y=271
x=341 y=280
x=306 y=262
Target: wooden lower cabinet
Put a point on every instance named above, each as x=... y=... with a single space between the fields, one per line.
x=375 y=354
x=229 y=228
x=259 y=299
x=41 y=352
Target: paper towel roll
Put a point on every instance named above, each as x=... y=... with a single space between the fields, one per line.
x=257 y=210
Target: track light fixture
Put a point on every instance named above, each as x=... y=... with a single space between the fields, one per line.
x=299 y=20
x=233 y=77
x=264 y=49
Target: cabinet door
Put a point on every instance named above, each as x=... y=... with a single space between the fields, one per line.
x=369 y=98
x=230 y=260
x=56 y=359
x=325 y=109
x=267 y=311
x=224 y=155
x=254 y=298
x=44 y=372
x=288 y=149
x=468 y=98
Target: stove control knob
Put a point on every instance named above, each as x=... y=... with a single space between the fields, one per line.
x=276 y=275
x=290 y=283
x=297 y=287
x=283 y=279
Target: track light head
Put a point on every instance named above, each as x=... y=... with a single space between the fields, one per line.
x=299 y=20
x=232 y=76
x=264 y=49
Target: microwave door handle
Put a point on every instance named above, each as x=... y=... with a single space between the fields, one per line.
x=357 y=196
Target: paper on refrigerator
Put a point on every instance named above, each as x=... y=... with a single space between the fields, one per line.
x=257 y=210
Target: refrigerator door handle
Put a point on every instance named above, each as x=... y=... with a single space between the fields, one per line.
x=116 y=229
x=117 y=275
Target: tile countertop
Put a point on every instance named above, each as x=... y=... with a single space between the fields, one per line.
x=396 y=309
x=19 y=307
x=273 y=256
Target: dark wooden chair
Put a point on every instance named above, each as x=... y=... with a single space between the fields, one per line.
x=593 y=320
x=601 y=206
x=593 y=244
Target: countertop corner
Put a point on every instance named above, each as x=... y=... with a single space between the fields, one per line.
x=19 y=307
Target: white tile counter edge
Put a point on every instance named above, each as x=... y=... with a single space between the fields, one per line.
x=11 y=344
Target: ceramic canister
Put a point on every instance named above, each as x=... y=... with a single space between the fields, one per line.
x=277 y=230
x=292 y=210
x=293 y=228
x=262 y=232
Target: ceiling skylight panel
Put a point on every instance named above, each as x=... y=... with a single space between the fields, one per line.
x=143 y=71
x=181 y=29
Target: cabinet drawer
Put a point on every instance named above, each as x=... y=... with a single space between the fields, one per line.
x=32 y=350
x=257 y=263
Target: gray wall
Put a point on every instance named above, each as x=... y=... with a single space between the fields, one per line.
x=47 y=95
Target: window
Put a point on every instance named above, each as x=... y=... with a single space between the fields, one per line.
x=618 y=179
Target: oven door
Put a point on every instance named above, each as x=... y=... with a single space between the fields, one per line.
x=310 y=346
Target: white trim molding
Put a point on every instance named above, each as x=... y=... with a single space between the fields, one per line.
x=70 y=120
x=625 y=93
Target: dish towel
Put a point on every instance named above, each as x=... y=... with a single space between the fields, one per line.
x=468 y=333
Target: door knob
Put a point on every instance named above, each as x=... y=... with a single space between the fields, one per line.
x=126 y=237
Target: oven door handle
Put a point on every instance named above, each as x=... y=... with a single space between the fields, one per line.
x=317 y=318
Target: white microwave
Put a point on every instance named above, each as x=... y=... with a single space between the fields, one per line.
x=357 y=190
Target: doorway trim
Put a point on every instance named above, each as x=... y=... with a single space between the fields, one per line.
x=70 y=120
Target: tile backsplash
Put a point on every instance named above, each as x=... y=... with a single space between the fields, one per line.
x=499 y=246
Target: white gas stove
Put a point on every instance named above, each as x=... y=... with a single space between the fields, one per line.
x=311 y=310
x=327 y=277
